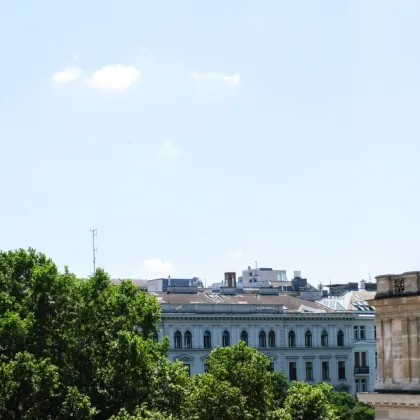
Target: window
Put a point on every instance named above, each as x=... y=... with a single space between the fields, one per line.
x=187 y=367
x=207 y=340
x=225 y=339
x=359 y=332
x=324 y=339
x=309 y=373
x=155 y=336
x=399 y=286
x=292 y=371
x=206 y=367
x=341 y=370
x=271 y=367
x=361 y=385
x=271 y=339
x=292 y=339
x=340 y=338
x=374 y=332
x=178 y=340
x=244 y=337
x=376 y=359
x=308 y=339
x=325 y=367
x=263 y=339
x=188 y=340
x=360 y=359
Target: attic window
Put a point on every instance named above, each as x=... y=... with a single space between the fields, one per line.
x=399 y=286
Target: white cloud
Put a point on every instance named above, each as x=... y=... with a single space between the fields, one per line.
x=232 y=81
x=167 y=150
x=68 y=75
x=235 y=255
x=155 y=268
x=114 y=78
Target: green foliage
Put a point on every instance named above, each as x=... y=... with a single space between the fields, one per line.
x=363 y=412
x=307 y=402
x=75 y=348
x=211 y=398
x=245 y=368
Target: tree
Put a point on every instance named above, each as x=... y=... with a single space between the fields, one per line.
x=245 y=368
x=307 y=402
x=210 y=399
x=363 y=412
x=72 y=347
x=27 y=388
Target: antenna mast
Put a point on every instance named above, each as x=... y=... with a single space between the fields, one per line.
x=94 y=234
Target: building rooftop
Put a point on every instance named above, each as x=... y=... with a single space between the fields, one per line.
x=141 y=284
x=289 y=303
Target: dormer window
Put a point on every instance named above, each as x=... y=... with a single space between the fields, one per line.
x=399 y=286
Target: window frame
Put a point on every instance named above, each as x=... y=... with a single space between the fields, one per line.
x=207 y=339
x=262 y=339
x=188 y=340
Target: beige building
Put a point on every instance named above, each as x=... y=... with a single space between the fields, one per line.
x=397 y=388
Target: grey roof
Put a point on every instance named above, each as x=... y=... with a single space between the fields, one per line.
x=290 y=303
x=142 y=284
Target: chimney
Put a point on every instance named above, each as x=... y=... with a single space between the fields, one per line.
x=362 y=285
x=296 y=274
x=230 y=280
x=169 y=281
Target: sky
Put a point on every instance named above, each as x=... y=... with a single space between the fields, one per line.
x=203 y=137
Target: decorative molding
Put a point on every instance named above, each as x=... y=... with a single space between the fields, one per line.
x=184 y=358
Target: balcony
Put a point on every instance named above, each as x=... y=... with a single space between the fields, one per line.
x=361 y=370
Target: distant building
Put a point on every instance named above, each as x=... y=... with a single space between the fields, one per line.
x=350 y=296
x=305 y=340
x=397 y=388
x=141 y=284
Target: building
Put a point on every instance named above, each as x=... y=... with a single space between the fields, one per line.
x=397 y=388
x=350 y=297
x=306 y=340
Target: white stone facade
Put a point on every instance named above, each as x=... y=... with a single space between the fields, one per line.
x=317 y=352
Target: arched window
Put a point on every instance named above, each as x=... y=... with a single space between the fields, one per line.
x=178 y=340
x=271 y=339
x=188 y=340
x=308 y=339
x=207 y=340
x=340 y=338
x=244 y=337
x=225 y=339
x=324 y=339
x=292 y=339
x=263 y=339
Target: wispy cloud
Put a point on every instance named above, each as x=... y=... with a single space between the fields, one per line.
x=168 y=150
x=112 y=78
x=156 y=267
x=235 y=255
x=68 y=75
x=231 y=81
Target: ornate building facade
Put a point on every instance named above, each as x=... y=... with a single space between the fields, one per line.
x=305 y=340
x=397 y=388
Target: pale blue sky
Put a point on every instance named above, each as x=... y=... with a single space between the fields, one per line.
x=221 y=133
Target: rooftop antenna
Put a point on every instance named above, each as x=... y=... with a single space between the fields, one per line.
x=256 y=264
x=369 y=277
x=94 y=234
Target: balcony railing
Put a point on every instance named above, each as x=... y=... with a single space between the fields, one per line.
x=361 y=370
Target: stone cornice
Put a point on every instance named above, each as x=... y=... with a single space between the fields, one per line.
x=260 y=317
